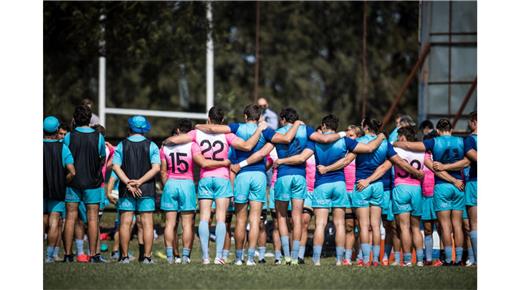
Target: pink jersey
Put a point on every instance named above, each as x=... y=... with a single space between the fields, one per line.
x=273 y=156
x=216 y=147
x=109 y=153
x=350 y=175
x=179 y=160
x=415 y=159
x=428 y=182
x=310 y=173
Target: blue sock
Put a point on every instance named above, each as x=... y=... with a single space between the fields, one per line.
x=79 y=247
x=204 y=238
x=277 y=255
x=285 y=246
x=316 y=253
x=301 y=253
x=295 y=249
x=471 y=255
x=388 y=251
x=225 y=254
x=220 y=232
x=407 y=257
x=348 y=254
x=397 y=256
x=169 y=252
x=239 y=255
x=458 y=254
x=251 y=254
x=419 y=255
x=473 y=236
x=428 y=247
x=186 y=252
x=448 y=251
x=340 y=252
x=365 y=248
x=376 y=249
x=261 y=253
x=359 y=254
x=56 y=251
x=50 y=252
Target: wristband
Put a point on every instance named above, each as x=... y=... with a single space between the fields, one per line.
x=243 y=164
x=342 y=134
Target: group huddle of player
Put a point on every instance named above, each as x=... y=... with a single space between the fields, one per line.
x=358 y=176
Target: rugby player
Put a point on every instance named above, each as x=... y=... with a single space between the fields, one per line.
x=58 y=170
x=88 y=149
x=136 y=162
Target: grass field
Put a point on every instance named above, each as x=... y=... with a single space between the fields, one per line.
x=164 y=276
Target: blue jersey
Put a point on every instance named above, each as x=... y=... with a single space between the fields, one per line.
x=388 y=179
x=393 y=136
x=470 y=142
x=245 y=131
x=367 y=163
x=327 y=154
x=446 y=150
x=298 y=144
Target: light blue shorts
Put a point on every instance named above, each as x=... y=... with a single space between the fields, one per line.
x=407 y=198
x=428 y=213
x=370 y=196
x=330 y=195
x=290 y=187
x=143 y=204
x=51 y=205
x=447 y=197
x=250 y=186
x=308 y=200
x=179 y=195
x=349 y=203
x=214 y=187
x=471 y=193
x=88 y=196
x=272 y=202
x=386 y=203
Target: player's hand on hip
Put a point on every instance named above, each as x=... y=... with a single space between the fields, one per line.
x=322 y=169
x=362 y=184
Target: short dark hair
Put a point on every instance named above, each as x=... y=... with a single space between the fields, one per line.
x=289 y=114
x=426 y=124
x=406 y=120
x=82 y=115
x=409 y=132
x=87 y=102
x=372 y=124
x=252 y=112
x=473 y=116
x=431 y=135
x=216 y=115
x=99 y=128
x=444 y=125
x=65 y=127
x=357 y=129
x=184 y=126
x=331 y=121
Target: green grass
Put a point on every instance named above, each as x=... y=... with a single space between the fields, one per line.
x=195 y=275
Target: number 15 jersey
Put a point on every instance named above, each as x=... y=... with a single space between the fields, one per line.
x=215 y=147
x=415 y=159
x=179 y=159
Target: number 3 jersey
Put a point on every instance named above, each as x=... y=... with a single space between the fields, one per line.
x=213 y=146
x=179 y=160
x=415 y=159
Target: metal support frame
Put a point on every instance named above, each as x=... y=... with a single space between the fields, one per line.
x=422 y=57
x=465 y=102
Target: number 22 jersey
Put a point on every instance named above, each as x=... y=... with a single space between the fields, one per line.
x=215 y=147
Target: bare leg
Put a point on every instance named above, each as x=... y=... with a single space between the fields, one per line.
x=125 y=231
x=240 y=229
x=322 y=215
x=93 y=226
x=375 y=223
x=70 y=222
x=147 y=221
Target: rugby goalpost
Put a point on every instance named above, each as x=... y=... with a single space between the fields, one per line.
x=103 y=110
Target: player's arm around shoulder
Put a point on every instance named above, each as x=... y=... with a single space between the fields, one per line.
x=214 y=128
x=415 y=146
x=371 y=146
x=182 y=138
x=240 y=144
x=286 y=138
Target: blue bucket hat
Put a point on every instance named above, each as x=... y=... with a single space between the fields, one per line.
x=139 y=124
x=51 y=124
